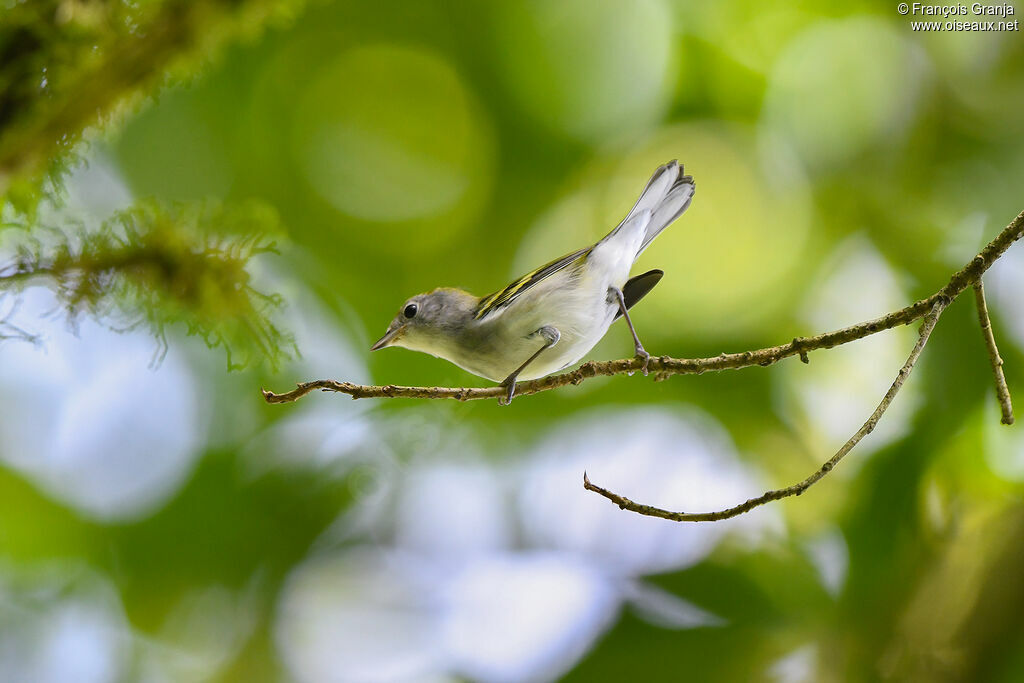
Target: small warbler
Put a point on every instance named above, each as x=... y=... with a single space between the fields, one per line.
x=551 y=317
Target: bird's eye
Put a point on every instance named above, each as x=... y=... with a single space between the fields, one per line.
x=410 y=311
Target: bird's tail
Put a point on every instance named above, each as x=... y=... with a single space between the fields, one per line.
x=667 y=195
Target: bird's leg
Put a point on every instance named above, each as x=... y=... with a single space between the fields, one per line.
x=638 y=347
x=551 y=337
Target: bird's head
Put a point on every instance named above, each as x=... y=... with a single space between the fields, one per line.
x=428 y=322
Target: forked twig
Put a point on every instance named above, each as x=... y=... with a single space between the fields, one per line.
x=796 y=489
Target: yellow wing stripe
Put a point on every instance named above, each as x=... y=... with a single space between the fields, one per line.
x=505 y=296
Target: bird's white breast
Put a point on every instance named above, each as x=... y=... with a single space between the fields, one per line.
x=577 y=304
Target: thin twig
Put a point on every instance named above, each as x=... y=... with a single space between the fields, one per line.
x=796 y=489
x=666 y=366
x=1002 y=391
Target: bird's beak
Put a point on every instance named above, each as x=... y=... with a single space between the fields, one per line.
x=386 y=340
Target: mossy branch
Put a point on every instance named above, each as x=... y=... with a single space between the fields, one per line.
x=66 y=65
x=160 y=267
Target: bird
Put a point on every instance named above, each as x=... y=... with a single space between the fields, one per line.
x=550 y=318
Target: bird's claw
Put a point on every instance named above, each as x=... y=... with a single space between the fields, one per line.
x=511 y=391
x=645 y=357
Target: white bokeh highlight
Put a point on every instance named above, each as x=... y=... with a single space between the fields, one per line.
x=524 y=616
x=676 y=458
x=202 y=635
x=666 y=610
x=1004 y=447
x=320 y=434
x=798 y=666
x=67 y=626
x=830 y=555
x=452 y=511
x=1004 y=287
x=511 y=572
x=362 y=616
x=89 y=420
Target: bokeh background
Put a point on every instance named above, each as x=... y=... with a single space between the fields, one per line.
x=159 y=522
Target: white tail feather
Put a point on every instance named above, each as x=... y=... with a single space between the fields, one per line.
x=667 y=195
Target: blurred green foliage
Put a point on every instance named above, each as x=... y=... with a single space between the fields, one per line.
x=425 y=143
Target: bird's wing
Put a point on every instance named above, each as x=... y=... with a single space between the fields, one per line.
x=636 y=288
x=496 y=302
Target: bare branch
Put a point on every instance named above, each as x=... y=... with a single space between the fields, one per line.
x=1002 y=391
x=796 y=489
x=929 y=309
x=666 y=366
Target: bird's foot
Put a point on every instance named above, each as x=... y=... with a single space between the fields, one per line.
x=645 y=357
x=510 y=386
